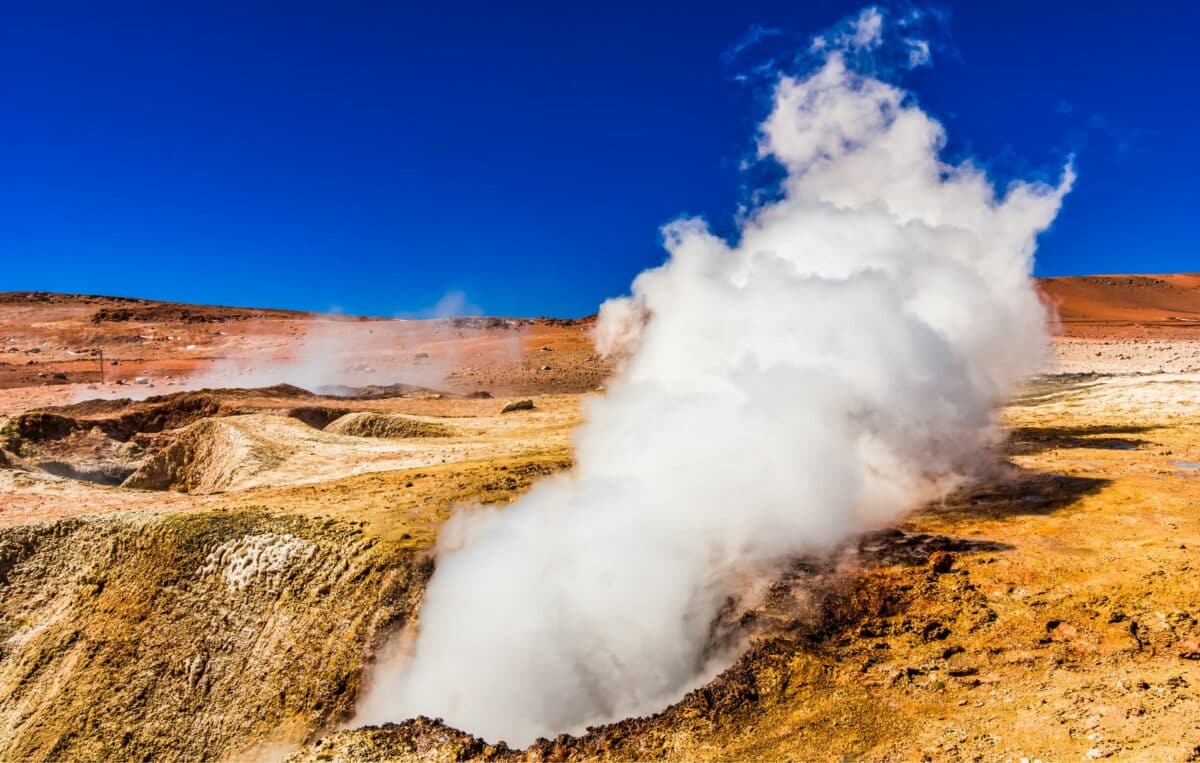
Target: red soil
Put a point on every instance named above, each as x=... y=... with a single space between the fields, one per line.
x=50 y=340
x=1126 y=306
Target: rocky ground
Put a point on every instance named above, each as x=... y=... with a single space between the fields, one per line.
x=207 y=575
x=63 y=348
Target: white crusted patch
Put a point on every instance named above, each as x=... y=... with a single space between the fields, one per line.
x=241 y=561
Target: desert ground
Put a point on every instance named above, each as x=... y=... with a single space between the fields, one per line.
x=212 y=519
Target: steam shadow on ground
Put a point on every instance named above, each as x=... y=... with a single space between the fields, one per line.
x=896 y=548
x=1025 y=441
x=1055 y=388
x=1020 y=492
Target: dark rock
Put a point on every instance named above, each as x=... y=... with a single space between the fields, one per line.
x=941 y=562
x=935 y=631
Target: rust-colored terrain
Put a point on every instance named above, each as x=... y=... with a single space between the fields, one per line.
x=118 y=347
x=190 y=569
x=1126 y=306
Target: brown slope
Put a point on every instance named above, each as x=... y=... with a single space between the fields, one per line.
x=1126 y=306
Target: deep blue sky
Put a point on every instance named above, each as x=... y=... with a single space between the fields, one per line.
x=374 y=156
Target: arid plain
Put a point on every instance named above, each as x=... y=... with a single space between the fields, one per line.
x=194 y=570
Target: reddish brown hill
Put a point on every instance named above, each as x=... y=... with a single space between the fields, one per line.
x=1127 y=306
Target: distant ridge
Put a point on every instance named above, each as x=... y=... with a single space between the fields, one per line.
x=1147 y=305
x=1094 y=306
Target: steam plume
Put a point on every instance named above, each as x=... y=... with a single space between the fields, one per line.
x=830 y=370
x=331 y=352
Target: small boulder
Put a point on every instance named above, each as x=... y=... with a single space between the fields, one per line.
x=941 y=562
x=1057 y=630
x=518 y=405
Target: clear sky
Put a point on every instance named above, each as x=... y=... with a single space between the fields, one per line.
x=375 y=156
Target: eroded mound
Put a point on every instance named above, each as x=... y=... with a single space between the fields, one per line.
x=123 y=419
x=60 y=446
x=387 y=425
x=189 y=637
x=106 y=441
x=208 y=457
x=380 y=391
x=268 y=450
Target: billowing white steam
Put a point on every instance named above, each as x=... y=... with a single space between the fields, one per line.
x=826 y=373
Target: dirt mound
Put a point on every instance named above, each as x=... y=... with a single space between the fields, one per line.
x=380 y=391
x=108 y=441
x=27 y=428
x=387 y=425
x=199 y=636
x=124 y=418
x=268 y=450
x=208 y=457
x=69 y=448
x=118 y=422
x=101 y=443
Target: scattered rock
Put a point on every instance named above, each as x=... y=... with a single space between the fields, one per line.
x=935 y=631
x=941 y=562
x=1189 y=649
x=1058 y=630
x=518 y=405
